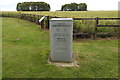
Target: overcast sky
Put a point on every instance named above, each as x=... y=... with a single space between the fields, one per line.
x=10 y=5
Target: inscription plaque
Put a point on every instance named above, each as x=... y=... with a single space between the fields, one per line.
x=61 y=31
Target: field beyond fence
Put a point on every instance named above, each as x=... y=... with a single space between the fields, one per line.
x=87 y=24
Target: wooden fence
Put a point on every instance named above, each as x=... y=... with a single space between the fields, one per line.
x=45 y=23
x=97 y=24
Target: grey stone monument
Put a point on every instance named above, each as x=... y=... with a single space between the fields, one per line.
x=61 y=35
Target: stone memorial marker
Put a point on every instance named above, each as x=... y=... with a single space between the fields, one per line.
x=61 y=32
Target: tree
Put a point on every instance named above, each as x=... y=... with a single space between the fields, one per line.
x=18 y=7
x=82 y=7
x=74 y=7
x=33 y=6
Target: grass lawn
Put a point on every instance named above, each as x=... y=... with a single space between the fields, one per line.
x=26 y=48
x=0 y=48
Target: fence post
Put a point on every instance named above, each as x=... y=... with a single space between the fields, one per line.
x=47 y=22
x=37 y=19
x=42 y=24
x=24 y=16
x=95 y=30
x=30 y=17
x=33 y=18
x=27 y=17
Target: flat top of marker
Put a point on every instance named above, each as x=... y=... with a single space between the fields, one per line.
x=61 y=19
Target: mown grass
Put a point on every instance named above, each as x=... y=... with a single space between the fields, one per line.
x=26 y=48
x=0 y=48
